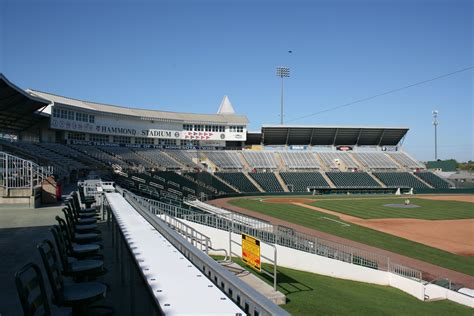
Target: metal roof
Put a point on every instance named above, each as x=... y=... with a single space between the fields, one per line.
x=17 y=108
x=331 y=135
x=142 y=114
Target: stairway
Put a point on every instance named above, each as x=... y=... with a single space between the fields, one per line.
x=282 y=183
x=331 y=184
x=255 y=183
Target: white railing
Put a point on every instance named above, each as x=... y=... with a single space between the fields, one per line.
x=18 y=173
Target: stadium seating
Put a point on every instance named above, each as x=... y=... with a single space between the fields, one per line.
x=433 y=180
x=400 y=179
x=299 y=160
x=209 y=180
x=225 y=159
x=128 y=155
x=406 y=161
x=157 y=158
x=352 y=180
x=331 y=158
x=260 y=159
x=375 y=160
x=300 y=181
x=267 y=180
x=184 y=157
x=238 y=180
x=100 y=155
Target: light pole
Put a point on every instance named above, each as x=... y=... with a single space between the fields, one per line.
x=282 y=72
x=435 y=123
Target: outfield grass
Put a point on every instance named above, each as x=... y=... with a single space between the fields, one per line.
x=374 y=208
x=321 y=222
x=314 y=294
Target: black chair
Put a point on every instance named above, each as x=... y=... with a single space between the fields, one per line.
x=79 y=296
x=31 y=290
x=84 y=217
x=76 y=237
x=79 y=269
x=86 y=250
x=78 y=227
x=87 y=201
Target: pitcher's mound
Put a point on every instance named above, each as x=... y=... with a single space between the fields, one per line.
x=402 y=205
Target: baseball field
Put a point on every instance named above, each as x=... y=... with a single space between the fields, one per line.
x=314 y=294
x=437 y=230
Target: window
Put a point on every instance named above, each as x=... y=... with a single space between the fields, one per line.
x=99 y=138
x=76 y=136
x=198 y=128
x=56 y=112
x=221 y=128
x=70 y=115
x=122 y=139
x=143 y=140
x=167 y=142
x=63 y=114
x=188 y=127
x=236 y=129
x=91 y=119
x=189 y=143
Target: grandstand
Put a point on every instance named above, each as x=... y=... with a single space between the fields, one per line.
x=299 y=160
x=400 y=180
x=183 y=152
x=267 y=180
x=301 y=181
x=352 y=180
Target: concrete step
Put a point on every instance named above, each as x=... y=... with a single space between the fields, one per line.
x=261 y=286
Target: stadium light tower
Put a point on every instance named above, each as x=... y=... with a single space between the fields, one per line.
x=282 y=72
x=435 y=123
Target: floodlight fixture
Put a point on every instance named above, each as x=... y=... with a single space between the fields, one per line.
x=282 y=72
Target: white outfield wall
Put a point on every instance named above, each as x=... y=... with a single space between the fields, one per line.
x=300 y=260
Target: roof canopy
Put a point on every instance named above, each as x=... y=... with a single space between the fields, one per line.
x=331 y=135
x=142 y=114
x=17 y=108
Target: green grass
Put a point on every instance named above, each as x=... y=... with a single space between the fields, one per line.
x=320 y=221
x=374 y=208
x=314 y=294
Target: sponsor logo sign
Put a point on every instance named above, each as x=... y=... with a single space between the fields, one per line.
x=344 y=148
x=251 y=252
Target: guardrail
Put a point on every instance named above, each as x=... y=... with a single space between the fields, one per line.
x=287 y=237
x=18 y=173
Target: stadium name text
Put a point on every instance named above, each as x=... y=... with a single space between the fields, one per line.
x=134 y=132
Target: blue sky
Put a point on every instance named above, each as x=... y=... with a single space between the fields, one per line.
x=185 y=55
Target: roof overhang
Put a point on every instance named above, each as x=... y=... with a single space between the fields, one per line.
x=18 y=109
x=332 y=135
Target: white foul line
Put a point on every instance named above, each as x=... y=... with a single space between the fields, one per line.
x=330 y=219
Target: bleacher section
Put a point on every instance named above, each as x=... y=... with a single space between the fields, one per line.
x=62 y=164
x=433 y=180
x=225 y=159
x=210 y=180
x=300 y=181
x=406 y=161
x=260 y=159
x=331 y=158
x=157 y=158
x=128 y=155
x=299 y=160
x=183 y=157
x=238 y=180
x=100 y=155
x=267 y=180
x=400 y=180
x=375 y=161
x=352 y=180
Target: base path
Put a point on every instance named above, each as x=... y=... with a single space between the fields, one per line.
x=430 y=271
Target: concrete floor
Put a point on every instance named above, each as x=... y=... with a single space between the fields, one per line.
x=22 y=229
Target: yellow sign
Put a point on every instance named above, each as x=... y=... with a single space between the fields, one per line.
x=251 y=252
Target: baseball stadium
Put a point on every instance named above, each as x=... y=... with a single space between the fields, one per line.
x=344 y=220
